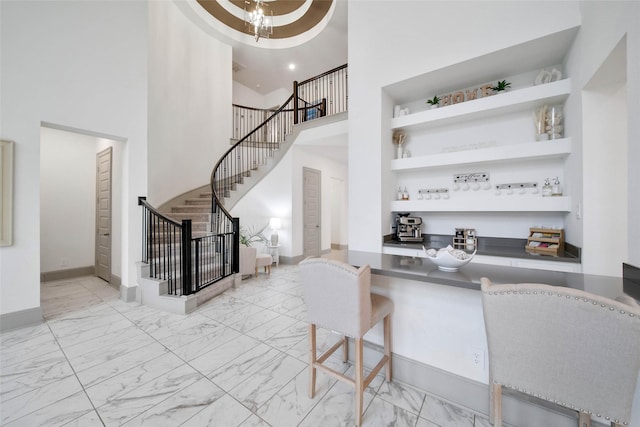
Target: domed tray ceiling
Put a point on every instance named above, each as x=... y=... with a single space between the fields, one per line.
x=316 y=11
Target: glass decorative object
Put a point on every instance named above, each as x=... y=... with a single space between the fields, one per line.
x=548 y=122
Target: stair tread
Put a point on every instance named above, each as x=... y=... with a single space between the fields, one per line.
x=204 y=209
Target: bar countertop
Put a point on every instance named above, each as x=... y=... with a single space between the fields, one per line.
x=490 y=246
x=468 y=276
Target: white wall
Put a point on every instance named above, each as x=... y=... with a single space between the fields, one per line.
x=277 y=97
x=271 y=197
x=67 y=200
x=606 y=195
x=604 y=25
x=448 y=341
x=329 y=170
x=190 y=96
x=280 y=195
x=465 y=30
x=339 y=208
x=82 y=65
x=247 y=97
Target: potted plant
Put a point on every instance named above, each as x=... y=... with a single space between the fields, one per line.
x=248 y=236
x=398 y=138
x=433 y=101
x=501 y=86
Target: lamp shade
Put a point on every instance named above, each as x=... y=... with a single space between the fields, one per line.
x=275 y=223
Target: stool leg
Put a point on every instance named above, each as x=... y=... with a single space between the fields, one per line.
x=387 y=345
x=495 y=409
x=584 y=419
x=359 y=381
x=256 y=271
x=345 y=349
x=312 y=360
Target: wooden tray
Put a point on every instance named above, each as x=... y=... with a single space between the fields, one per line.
x=546 y=241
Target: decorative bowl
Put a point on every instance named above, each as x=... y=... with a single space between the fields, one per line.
x=448 y=259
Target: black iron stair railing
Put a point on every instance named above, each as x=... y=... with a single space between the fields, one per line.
x=186 y=263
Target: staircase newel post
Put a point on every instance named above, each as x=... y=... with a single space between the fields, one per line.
x=236 y=245
x=295 y=102
x=146 y=237
x=185 y=268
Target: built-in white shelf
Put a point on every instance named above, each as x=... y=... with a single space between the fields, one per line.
x=490 y=203
x=530 y=151
x=528 y=98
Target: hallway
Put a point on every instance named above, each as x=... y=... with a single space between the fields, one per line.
x=239 y=360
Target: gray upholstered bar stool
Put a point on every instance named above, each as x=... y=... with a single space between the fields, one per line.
x=338 y=298
x=567 y=346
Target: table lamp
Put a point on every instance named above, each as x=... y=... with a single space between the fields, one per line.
x=274 y=224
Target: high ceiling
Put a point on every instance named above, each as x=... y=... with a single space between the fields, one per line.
x=311 y=34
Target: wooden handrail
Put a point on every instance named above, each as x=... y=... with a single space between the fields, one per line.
x=319 y=76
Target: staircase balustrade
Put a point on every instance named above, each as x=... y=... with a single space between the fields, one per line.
x=162 y=246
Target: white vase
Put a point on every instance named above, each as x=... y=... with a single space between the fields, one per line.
x=399 y=154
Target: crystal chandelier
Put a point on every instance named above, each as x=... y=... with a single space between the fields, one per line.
x=259 y=17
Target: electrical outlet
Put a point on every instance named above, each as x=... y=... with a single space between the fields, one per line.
x=63 y=262
x=477 y=358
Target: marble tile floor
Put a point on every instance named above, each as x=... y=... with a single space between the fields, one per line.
x=239 y=360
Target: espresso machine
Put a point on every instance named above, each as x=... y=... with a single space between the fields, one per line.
x=408 y=228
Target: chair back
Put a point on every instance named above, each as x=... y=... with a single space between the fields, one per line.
x=337 y=295
x=247 y=259
x=564 y=345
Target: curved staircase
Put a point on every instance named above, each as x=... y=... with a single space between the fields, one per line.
x=190 y=248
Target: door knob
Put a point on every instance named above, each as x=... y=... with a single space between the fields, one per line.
x=106 y=234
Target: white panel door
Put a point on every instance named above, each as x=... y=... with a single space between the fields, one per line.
x=103 y=215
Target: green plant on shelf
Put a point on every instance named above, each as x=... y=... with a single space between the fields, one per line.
x=433 y=101
x=502 y=85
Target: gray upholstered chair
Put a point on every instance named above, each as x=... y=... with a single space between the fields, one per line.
x=338 y=298
x=563 y=345
x=247 y=260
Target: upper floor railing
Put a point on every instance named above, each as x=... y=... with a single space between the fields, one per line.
x=330 y=87
x=259 y=132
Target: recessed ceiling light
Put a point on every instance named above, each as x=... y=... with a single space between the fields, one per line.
x=292 y=66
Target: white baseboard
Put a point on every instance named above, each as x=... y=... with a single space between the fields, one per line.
x=69 y=273
x=21 y=319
